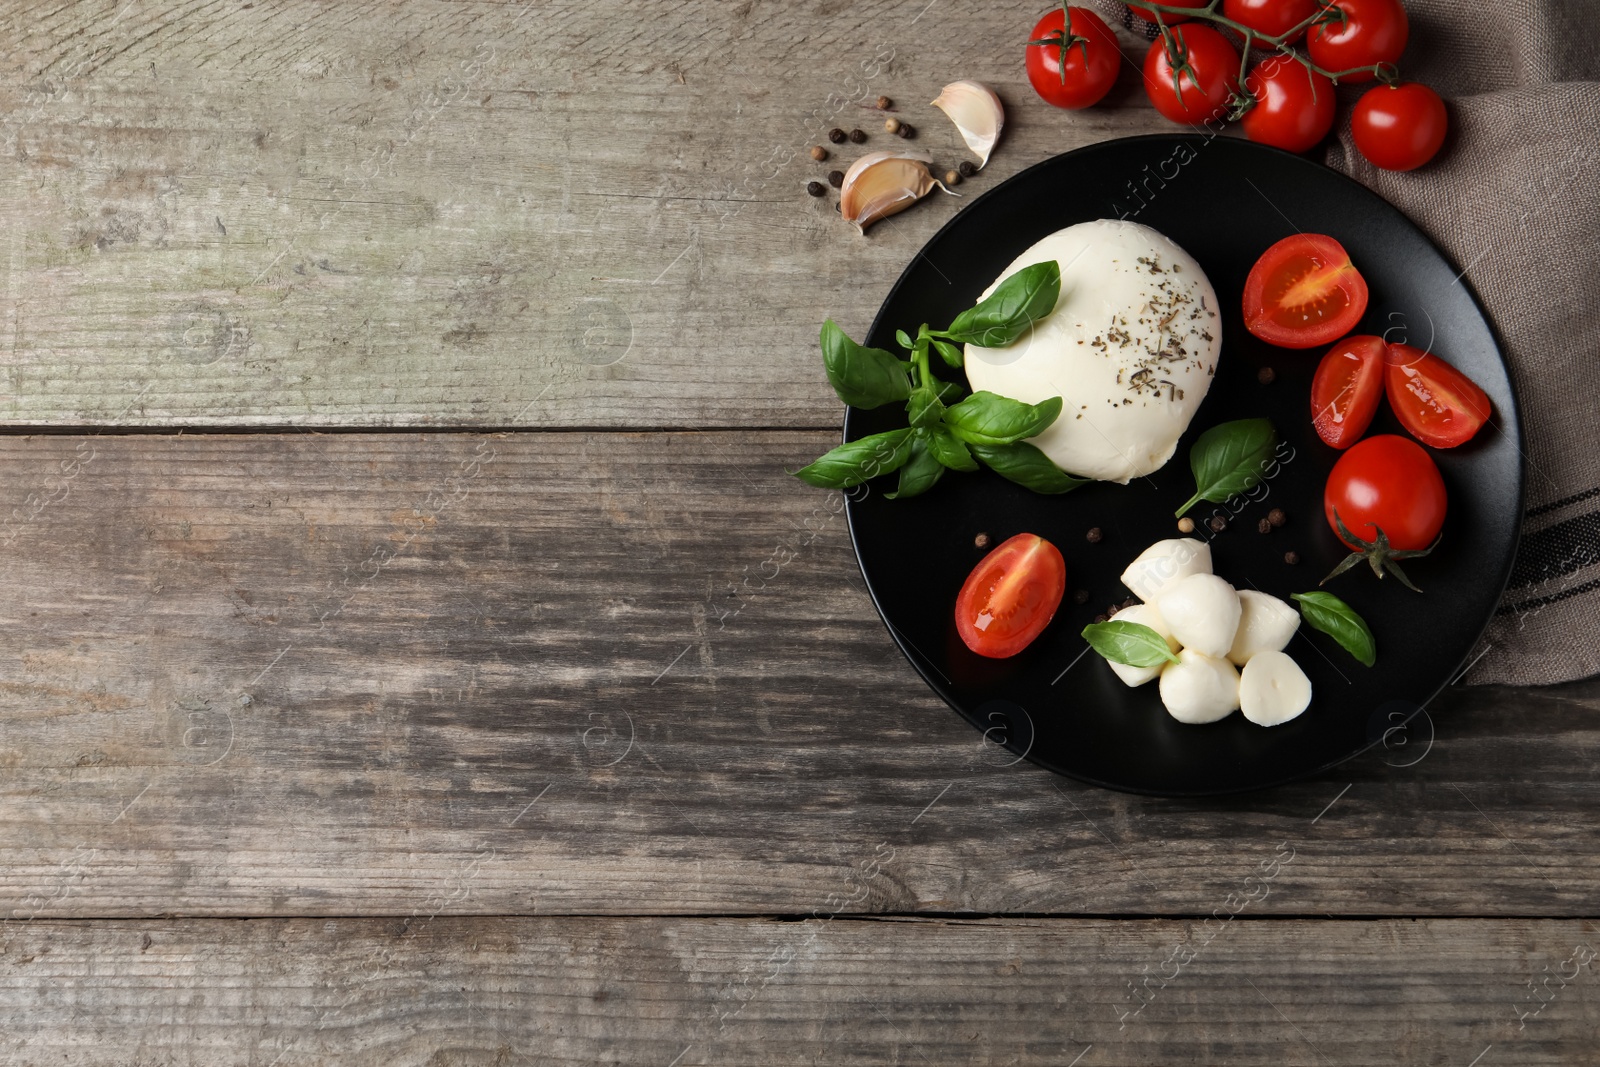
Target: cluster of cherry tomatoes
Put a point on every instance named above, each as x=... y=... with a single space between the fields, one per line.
x=1385 y=495
x=1195 y=73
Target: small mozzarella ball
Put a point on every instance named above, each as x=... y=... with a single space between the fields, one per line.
x=1273 y=689
x=1199 y=688
x=1144 y=615
x=1164 y=564
x=1203 y=612
x=1265 y=625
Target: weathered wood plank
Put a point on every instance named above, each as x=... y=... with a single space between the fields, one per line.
x=433 y=213
x=695 y=991
x=324 y=674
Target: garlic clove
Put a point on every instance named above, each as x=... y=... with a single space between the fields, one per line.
x=879 y=184
x=977 y=113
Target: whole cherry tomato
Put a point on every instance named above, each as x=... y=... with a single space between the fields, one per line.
x=1387 y=482
x=1271 y=18
x=1074 y=69
x=1011 y=596
x=1347 y=388
x=1293 y=108
x=1168 y=17
x=1399 y=127
x=1437 y=404
x=1371 y=32
x=1207 y=74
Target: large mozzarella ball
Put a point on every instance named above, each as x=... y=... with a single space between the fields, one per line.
x=1164 y=564
x=1199 y=688
x=1265 y=625
x=1203 y=613
x=1145 y=615
x=1131 y=348
x=1273 y=689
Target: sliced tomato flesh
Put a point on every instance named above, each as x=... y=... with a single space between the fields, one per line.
x=1304 y=292
x=1347 y=388
x=1011 y=596
x=1435 y=402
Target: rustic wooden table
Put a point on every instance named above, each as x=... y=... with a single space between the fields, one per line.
x=397 y=403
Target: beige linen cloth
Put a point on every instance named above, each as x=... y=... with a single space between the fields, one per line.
x=1514 y=200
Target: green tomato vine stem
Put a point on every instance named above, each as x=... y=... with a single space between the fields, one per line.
x=1243 y=101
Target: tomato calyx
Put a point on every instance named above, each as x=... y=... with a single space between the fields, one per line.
x=1066 y=41
x=1378 y=553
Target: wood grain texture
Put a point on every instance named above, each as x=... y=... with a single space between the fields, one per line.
x=697 y=991
x=363 y=674
x=432 y=213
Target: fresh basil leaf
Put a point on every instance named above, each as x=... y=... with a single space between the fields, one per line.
x=1027 y=466
x=904 y=339
x=949 y=352
x=986 y=418
x=1011 y=310
x=1332 y=616
x=856 y=461
x=863 y=377
x=949 y=392
x=925 y=409
x=1130 y=643
x=949 y=451
x=920 y=473
x=1229 y=459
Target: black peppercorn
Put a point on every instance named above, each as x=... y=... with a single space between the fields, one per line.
x=1277 y=517
x=1264 y=526
x=858 y=137
x=906 y=130
x=1266 y=375
x=967 y=168
x=1080 y=596
x=836 y=178
x=1291 y=558
x=836 y=135
x=816 y=188
x=1218 y=524
x=1094 y=535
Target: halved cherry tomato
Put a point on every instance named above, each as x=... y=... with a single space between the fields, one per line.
x=1388 y=482
x=1347 y=388
x=1209 y=67
x=1304 y=292
x=1437 y=404
x=1011 y=596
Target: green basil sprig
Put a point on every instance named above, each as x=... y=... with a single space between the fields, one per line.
x=1130 y=643
x=1332 y=616
x=948 y=430
x=1229 y=459
x=1011 y=310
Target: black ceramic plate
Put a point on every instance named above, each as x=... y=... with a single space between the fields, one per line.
x=1224 y=201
